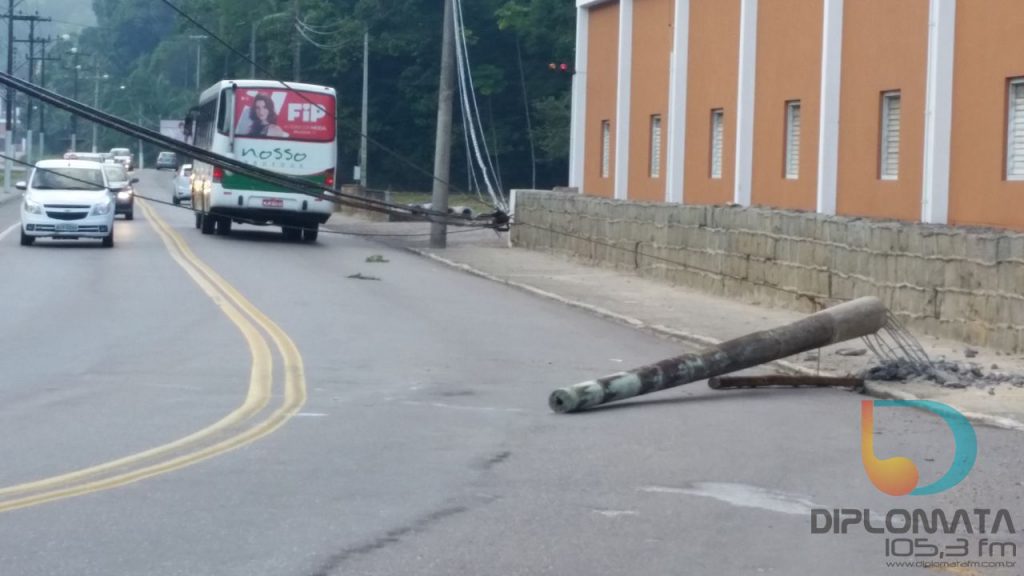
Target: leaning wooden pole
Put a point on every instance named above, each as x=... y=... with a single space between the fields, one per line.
x=846 y=321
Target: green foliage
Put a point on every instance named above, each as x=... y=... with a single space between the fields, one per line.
x=146 y=47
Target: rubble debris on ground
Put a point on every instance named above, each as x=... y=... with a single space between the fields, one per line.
x=946 y=373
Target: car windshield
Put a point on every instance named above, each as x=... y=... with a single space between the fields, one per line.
x=186 y=172
x=67 y=179
x=116 y=174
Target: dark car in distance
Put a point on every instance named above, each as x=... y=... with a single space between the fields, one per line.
x=121 y=186
x=167 y=161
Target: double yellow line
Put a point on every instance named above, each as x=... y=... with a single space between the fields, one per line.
x=234 y=430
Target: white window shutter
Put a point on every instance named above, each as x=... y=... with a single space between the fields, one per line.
x=1015 y=132
x=890 y=156
x=793 y=140
x=717 y=141
x=655 y=167
x=606 y=147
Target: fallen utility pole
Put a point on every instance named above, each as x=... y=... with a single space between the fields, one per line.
x=782 y=381
x=846 y=321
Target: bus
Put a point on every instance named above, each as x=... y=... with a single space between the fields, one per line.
x=285 y=129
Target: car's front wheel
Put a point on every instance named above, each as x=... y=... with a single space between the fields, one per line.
x=108 y=240
x=130 y=215
x=176 y=201
x=26 y=240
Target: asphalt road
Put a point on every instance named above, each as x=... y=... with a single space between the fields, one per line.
x=300 y=422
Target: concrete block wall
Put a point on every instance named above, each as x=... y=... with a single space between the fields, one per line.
x=960 y=283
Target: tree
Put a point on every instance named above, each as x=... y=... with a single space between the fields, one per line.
x=144 y=45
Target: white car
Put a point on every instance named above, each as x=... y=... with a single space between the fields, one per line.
x=183 y=185
x=67 y=199
x=124 y=156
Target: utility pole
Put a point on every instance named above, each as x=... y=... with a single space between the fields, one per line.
x=366 y=106
x=297 y=63
x=8 y=136
x=10 y=132
x=43 y=59
x=252 y=48
x=442 y=144
x=199 y=55
x=31 y=73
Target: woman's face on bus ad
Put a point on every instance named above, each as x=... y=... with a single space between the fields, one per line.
x=262 y=112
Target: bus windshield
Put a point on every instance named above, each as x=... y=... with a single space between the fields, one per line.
x=284 y=114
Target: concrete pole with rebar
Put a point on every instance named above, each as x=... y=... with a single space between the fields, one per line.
x=846 y=321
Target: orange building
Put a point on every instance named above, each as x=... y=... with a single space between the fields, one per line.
x=909 y=109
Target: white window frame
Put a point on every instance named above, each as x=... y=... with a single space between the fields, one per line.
x=794 y=129
x=606 y=148
x=884 y=152
x=1012 y=118
x=655 y=147
x=717 y=134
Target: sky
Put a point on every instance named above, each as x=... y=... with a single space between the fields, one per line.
x=68 y=15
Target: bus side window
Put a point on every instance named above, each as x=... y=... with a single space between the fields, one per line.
x=222 y=113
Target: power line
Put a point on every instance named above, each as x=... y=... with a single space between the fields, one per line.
x=373 y=141
x=293 y=184
x=241 y=220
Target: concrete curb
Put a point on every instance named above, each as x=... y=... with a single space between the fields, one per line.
x=875 y=389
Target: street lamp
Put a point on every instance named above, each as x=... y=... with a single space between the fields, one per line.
x=199 y=54
x=252 y=40
x=75 y=54
x=96 y=99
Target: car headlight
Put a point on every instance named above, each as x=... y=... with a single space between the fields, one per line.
x=124 y=195
x=33 y=207
x=102 y=208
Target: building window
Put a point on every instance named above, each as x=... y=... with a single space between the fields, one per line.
x=655 y=146
x=793 y=140
x=1015 y=131
x=606 y=147
x=890 y=143
x=717 y=141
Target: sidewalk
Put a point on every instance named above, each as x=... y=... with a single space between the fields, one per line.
x=695 y=317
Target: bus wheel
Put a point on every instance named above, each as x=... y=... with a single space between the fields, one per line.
x=223 y=226
x=208 y=221
x=310 y=234
x=291 y=233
